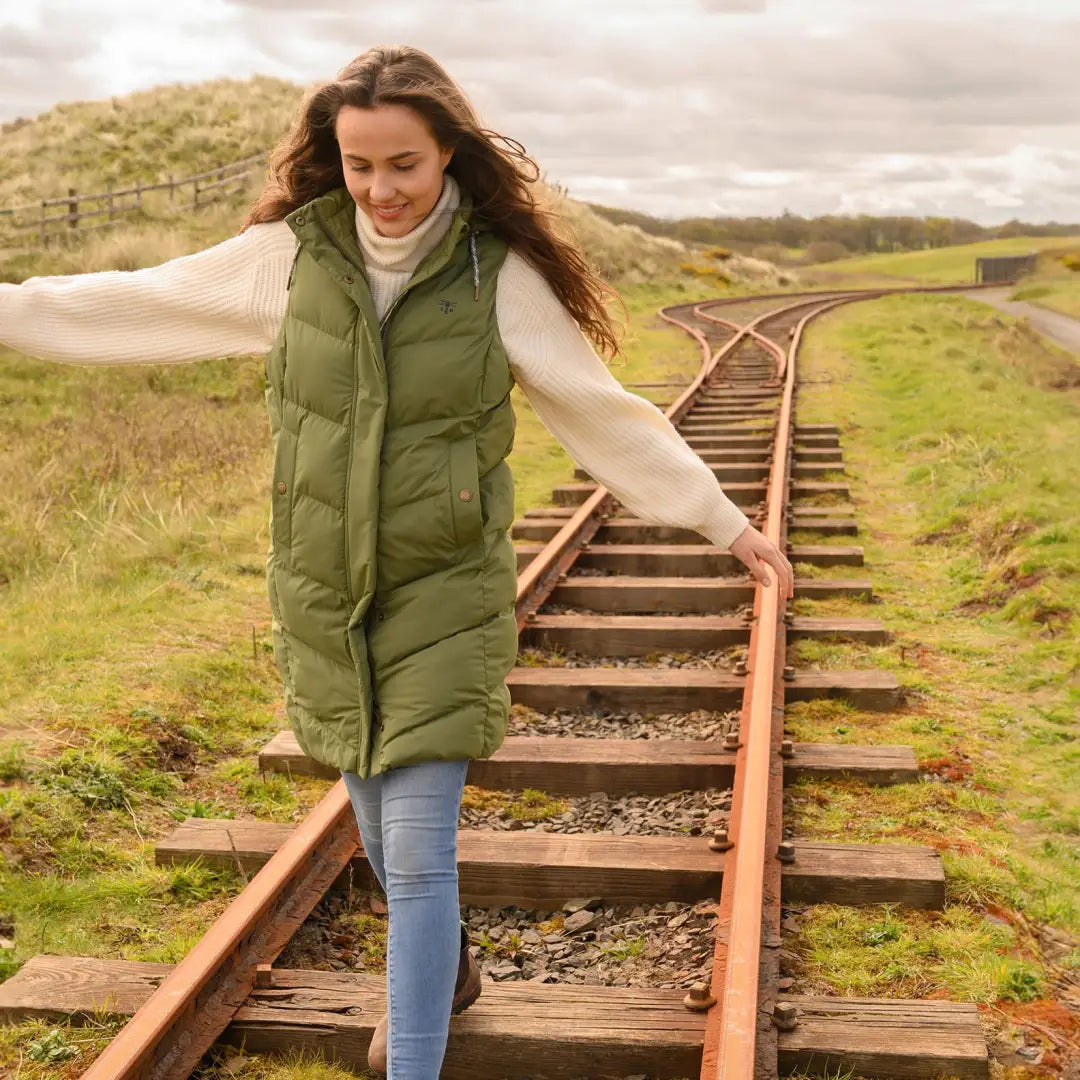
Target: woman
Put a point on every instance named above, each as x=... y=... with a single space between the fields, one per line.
x=401 y=279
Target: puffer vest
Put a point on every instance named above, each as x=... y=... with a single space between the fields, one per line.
x=391 y=574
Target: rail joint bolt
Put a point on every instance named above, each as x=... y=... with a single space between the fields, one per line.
x=698 y=998
x=719 y=840
x=785 y=1016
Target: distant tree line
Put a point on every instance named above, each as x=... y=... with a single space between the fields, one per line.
x=831 y=236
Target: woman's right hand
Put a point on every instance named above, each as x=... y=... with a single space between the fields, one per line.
x=756 y=550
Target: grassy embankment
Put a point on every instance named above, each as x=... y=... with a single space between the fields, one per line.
x=1053 y=285
x=960 y=434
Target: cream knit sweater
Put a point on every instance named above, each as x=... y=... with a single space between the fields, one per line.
x=229 y=300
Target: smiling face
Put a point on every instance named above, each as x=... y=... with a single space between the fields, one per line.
x=392 y=164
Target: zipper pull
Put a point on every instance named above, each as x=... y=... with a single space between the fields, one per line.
x=475 y=265
x=292 y=269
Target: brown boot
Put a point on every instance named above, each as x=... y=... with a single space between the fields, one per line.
x=467 y=989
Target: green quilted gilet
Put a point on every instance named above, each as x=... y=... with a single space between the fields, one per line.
x=391 y=574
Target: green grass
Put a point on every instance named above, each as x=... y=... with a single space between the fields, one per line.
x=960 y=450
x=626 y=948
x=1053 y=285
x=934 y=266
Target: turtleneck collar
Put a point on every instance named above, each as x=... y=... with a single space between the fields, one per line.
x=403 y=253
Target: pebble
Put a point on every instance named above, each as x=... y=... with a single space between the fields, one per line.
x=581 y=920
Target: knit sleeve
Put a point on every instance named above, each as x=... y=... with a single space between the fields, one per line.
x=619 y=438
x=227 y=300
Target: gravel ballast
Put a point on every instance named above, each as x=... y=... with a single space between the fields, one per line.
x=685 y=813
x=702 y=724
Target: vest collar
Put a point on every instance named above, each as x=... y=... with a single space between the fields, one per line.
x=333 y=215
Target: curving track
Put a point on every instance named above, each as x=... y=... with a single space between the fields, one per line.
x=609 y=590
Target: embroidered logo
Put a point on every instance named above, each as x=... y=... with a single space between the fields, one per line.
x=446 y=306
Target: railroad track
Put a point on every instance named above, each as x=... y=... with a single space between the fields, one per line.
x=608 y=592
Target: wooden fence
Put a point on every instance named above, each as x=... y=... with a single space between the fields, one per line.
x=206 y=188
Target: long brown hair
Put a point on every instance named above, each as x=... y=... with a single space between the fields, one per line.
x=493 y=168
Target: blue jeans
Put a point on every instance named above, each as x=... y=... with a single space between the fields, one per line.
x=408 y=819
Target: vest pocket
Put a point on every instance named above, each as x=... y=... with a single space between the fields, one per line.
x=465 y=507
x=281 y=493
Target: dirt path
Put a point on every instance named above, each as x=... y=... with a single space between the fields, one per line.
x=1060 y=328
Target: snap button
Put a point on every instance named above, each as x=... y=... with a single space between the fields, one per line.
x=465 y=495
x=281 y=487
x=300 y=220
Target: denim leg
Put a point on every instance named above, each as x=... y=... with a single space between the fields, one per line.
x=420 y=807
x=366 y=798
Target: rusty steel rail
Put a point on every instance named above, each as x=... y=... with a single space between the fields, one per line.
x=183 y=1017
x=751 y=886
x=731 y=1049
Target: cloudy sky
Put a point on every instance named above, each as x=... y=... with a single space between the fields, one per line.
x=675 y=107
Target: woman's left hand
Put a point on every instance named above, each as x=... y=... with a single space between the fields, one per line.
x=755 y=550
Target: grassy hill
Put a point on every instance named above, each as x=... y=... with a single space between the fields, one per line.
x=936 y=266
x=180 y=128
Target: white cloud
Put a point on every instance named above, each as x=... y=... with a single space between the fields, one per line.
x=680 y=108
